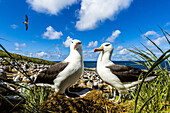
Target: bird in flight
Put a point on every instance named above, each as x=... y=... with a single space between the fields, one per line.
x=26 y=22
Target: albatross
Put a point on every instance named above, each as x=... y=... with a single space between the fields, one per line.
x=65 y=73
x=26 y=22
x=119 y=76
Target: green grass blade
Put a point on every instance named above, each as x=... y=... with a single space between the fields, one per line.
x=145 y=103
x=149 y=51
x=161 y=59
x=11 y=91
x=152 y=42
x=6 y=100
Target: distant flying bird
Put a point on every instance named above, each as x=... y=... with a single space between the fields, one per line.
x=65 y=73
x=119 y=76
x=26 y=22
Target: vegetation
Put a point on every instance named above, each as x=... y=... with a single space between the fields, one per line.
x=153 y=96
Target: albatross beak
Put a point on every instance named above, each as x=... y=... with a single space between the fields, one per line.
x=98 y=49
x=75 y=45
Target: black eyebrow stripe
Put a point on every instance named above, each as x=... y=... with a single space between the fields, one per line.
x=107 y=44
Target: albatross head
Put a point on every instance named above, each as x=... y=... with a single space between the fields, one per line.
x=76 y=45
x=105 y=55
x=105 y=48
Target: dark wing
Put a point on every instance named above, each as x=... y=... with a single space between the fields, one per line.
x=47 y=76
x=26 y=19
x=125 y=73
x=26 y=27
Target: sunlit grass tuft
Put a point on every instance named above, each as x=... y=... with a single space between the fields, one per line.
x=153 y=96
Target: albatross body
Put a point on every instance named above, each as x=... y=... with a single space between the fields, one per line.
x=67 y=72
x=119 y=76
x=26 y=22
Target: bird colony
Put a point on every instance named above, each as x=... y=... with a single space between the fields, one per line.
x=68 y=75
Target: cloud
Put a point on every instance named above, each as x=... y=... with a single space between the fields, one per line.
x=93 y=12
x=41 y=54
x=33 y=41
x=17 y=49
x=67 y=42
x=92 y=44
x=51 y=34
x=48 y=55
x=148 y=33
x=114 y=35
x=90 y=55
x=52 y=7
x=13 y=26
x=119 y=48
x=19 y=45
x=123 y=51
x=157 y=41
x=167 y=24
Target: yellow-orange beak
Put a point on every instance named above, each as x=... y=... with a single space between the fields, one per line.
x=98 y=49
x=75 y=45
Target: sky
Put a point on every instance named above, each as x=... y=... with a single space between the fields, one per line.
x=54 y=23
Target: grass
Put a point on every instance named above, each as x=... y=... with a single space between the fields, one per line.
x=153 y=96
x=35 y=97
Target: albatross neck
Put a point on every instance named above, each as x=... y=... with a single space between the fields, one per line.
x=75 y=55
x=104 y=58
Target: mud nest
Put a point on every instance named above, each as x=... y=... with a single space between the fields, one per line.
x=93 y=102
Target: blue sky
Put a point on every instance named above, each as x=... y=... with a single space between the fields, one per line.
x=53 y=23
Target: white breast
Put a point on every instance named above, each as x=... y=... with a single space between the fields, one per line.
x=68 y=76
x=110 y=78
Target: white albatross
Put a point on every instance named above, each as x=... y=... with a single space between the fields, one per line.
x=65 y=73
x=119 y=76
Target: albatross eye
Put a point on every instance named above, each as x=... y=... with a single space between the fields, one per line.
x=107 y=44
x=71 y=41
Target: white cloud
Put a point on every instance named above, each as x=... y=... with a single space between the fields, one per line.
x=51 y=34
x=148 y=33
x=16 y=44
x=33 y=41
x=19 y=45
x=90 y=55
x=157 y=41
x=50 y=6
x=41 y=54
x=92 y=44
x=93 y=12
x=114 y=35
x=48 y=55
x=23 y=45
x=119 y=48
x=167 y=24
x=13 y=26
x=17 y=49
x=123 y=52
x=67 y=42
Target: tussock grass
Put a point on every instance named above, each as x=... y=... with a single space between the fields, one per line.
x=153 y=96
x=35 y=97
